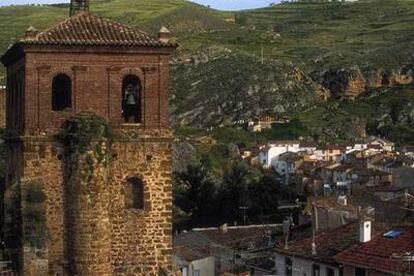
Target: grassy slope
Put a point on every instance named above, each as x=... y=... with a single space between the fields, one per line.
x=179 y=15
x=138 y=13
x=367 y=32
x=334 y=34
x=313 y=35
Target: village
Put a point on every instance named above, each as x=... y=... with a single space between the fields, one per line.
x=356 y=220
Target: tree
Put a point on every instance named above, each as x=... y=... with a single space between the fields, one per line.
x=194 y=193
x=264 y=199
x=233 y=192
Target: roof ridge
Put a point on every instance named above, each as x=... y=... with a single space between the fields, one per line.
x=86 y=28
x=50 y=28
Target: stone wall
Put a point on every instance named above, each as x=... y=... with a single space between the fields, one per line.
x=89 y=229
x=142 y=239
x=87 y=207
x=43 y=165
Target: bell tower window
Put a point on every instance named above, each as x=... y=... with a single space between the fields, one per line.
x=131 y=99
x=61 y=92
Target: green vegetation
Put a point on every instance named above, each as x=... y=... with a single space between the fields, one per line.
x=179 y=15
x=182 y=17
x=202 y=200
x=333 y=34
x=337 y=34
x=230 y=87
x=224 y=144
x=82 y=132
x=386 y=112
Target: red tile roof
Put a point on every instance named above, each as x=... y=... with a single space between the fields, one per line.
x=88 y=29
x=328 y=244
x=376 y=254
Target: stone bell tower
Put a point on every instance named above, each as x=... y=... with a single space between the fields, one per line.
x=92 y=203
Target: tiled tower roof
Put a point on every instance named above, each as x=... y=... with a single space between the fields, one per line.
x=91 y=30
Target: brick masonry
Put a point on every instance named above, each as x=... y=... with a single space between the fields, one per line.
x=82 y=226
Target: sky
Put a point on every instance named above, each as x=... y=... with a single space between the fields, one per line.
x=217 y=4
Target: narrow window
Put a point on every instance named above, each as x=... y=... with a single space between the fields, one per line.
x=61 y=92
x=131 y=99
x=134 y=194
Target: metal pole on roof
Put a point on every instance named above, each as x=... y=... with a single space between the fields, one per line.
x=316 y=225
x=407 y=257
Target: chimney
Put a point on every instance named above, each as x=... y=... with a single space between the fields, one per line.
x=314 y=251
x=164 y=35
x=224 y=228
x=31 y=32
x=342 y=200
x=364 y=230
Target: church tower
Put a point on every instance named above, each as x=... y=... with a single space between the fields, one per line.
x=92 y=204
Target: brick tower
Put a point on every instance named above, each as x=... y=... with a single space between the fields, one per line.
x=108 y=215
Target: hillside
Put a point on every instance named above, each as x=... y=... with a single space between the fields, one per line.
x=350 y=49
x=179 y=15
x=285 y=59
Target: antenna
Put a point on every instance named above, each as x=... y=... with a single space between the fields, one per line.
x=78 y=5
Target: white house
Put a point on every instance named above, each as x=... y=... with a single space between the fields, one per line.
x=285 y=164
x=382 y=143
x=269 y=155
x=193 y=266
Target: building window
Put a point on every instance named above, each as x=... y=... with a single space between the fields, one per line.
x=330 y=271
x=61 y=92
x=360 y=271
x=134 y=194
x=288 y=266
x=131 y=99
x=196 y=272
x=316 y=270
